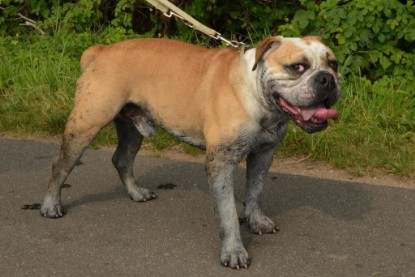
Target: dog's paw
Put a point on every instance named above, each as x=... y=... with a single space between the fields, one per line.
x=235 y=258
x=260 y=223
x=51 y=208
x=141 y=194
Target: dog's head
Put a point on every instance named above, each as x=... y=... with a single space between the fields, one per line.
x=298 y=77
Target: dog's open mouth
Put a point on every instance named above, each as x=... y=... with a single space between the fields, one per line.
x=310 y=119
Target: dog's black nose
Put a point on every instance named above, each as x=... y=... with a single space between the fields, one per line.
x=326 y=80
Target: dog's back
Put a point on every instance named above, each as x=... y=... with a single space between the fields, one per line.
x=89 y=55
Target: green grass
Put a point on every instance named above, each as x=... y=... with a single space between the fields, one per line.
x=35 y=81
x=375 y=133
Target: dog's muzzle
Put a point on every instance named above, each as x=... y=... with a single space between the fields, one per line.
x=314 y=117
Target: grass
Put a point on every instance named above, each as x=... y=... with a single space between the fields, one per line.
x=375 y=133
x=36 y=85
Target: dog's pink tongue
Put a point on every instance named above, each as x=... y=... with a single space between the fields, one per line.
x=320 y=113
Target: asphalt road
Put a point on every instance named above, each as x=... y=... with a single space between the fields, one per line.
x=328 y=228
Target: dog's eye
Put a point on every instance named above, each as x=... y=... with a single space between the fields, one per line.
x=333 y=65
x=298 y=67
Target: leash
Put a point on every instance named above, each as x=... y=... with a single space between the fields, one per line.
x=169 y=10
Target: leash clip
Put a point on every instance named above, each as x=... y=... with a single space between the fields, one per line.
x=232 y=43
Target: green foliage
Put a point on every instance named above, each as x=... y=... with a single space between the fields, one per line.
x=247 y=20
x=35 y=80
x=372 y=38
x=123 y=14
x=77 y=16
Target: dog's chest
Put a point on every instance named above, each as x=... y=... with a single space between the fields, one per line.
x=267 y=134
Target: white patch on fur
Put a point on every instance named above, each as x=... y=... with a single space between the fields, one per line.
x=312 y=49
x=195 y=141
x=252 y=99
x=249 y=58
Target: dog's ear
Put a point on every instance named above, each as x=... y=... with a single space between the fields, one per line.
x=317 y=38
x=264 y=46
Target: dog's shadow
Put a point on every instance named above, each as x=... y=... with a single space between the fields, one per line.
x=340 y=200
x=90 y=198
x=282 y=193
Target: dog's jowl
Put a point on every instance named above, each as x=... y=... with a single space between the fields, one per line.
x=233 y=104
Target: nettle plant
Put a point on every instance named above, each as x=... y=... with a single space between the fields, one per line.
x=371 y=38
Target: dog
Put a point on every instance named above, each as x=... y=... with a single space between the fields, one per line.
x=234 y=104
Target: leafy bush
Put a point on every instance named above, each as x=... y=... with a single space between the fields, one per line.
x=247 y=20
x=372 y=38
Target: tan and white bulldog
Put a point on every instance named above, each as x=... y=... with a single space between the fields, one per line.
x=233 y=104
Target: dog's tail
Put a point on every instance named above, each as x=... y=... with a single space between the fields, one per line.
x=89 y=55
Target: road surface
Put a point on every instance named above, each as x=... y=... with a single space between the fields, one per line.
x=327 y=227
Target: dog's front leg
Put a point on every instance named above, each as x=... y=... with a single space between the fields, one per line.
x=257 y=168
x=220 y=174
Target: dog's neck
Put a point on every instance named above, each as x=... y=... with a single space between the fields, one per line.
x=253 y=95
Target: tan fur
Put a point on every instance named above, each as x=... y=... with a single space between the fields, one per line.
x=263 y=47
x=313 y=38
x=290 y=53
x=89 y=55
x=190 y=90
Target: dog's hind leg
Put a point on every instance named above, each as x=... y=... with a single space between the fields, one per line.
x=129 y=142
x=89 y=115
x=257 y=169
x=75 y=140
